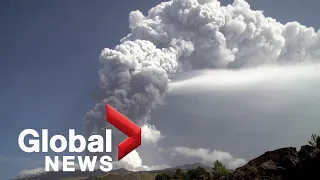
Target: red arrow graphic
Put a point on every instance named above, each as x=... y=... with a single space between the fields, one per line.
x=126 y=126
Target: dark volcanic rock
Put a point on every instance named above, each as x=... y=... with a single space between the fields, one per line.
x=309 y=163
x=281 y=164
x=274 y=156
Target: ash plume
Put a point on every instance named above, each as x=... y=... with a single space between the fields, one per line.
x=186 y=35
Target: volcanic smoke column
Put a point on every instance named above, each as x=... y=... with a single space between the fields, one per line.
x=134 y=79
x=184 y=35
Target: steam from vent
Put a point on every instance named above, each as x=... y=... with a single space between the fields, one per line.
x=185 y=35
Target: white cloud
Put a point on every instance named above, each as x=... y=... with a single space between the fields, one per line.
x=31 y=171
x=212 y=79
x=150 y=133
x=254 y=111
x=133 y=162
x=210 y=156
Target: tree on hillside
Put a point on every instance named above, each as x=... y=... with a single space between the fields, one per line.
x=178 y=171
x=169 y=177
x=184 y=175
x=315 y=141
x=200 y=171
x=161 y=177
x=219 y=169
x=191 y=174
x=179 y=174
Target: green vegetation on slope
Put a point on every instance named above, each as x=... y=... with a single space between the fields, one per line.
x=315 y=141
x=218 y=170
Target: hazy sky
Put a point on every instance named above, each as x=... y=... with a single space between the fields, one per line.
x=49 y=63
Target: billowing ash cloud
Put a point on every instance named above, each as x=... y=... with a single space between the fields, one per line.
x=185 y=35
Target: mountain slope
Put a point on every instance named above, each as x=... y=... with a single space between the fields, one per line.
x=115 y=174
